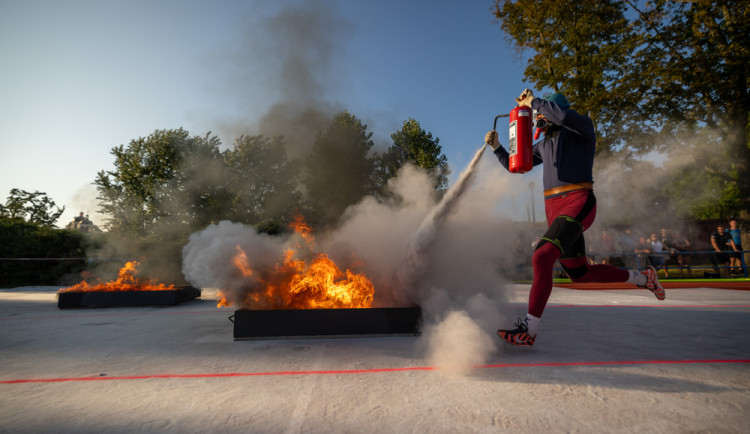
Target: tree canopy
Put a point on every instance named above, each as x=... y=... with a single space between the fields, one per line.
x=167 y=174
x=34 y=207
x=167 y=185
x=339 y=170
x=263 y=181
x=412 y=144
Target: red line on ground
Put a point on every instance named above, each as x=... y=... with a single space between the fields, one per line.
x=365 y=371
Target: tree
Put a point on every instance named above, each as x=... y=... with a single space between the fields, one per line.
x=579 y=48
x=263 y=181
x=26 y=239
x=163 y=188
x=412 y=144
x=339 y=170
x=34 y=207
x=646 y=73
x=166 y=174
x=698 y=61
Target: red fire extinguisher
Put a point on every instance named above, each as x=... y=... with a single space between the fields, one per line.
x=520 y=143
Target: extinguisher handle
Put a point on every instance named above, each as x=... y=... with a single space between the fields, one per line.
x=494 y=126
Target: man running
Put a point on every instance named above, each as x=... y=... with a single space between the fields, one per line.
x=567 y=155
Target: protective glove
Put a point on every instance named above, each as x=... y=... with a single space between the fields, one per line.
x=491 y=140
x=525 y=99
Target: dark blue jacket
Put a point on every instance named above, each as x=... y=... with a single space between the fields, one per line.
x=567 y=149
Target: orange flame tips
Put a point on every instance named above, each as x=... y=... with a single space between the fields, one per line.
x=296 y=284
x=241 y=263
x=299 y=226
x=127 y=280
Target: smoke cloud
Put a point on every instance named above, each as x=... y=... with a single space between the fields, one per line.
x=457 y=344
x=458 y=281
x=634 y=193
x=290 y=66
x=208 y=258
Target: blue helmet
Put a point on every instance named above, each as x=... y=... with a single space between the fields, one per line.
x=558 y=99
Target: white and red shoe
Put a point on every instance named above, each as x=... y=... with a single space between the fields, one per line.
x=652 y=282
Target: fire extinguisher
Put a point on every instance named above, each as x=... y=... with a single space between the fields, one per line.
x=519 y=139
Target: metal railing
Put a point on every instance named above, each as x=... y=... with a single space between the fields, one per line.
x=678 y=261
x=692 y=261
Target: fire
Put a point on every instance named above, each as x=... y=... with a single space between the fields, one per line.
x=298 y=284
x=127 y=280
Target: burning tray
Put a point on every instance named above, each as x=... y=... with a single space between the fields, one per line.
x=267 y=324
x=168 y=297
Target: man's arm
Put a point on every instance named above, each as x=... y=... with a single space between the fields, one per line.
x=716 y=246
x=566 y=118
x=734 y=246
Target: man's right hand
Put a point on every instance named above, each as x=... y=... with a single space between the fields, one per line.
x=491 y=140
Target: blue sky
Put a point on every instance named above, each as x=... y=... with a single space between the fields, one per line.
x=81 y=77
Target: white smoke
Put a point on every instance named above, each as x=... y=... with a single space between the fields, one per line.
x=456 y=277
x=457 y=344
x=416 y=251
x=207 y=258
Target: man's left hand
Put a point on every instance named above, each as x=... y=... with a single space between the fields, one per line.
x=525 y=99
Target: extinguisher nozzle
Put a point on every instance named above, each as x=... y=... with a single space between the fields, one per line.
x=537 y=133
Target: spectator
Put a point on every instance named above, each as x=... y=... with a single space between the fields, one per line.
x=642 y=250
x=607 y=247
x=627 y=245
x=681 y=245
x=736 y=257
x=722 y=243
x=668 y=243
x=656 y=258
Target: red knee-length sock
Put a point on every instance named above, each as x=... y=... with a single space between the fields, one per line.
x=543 y=261
x=604 y=273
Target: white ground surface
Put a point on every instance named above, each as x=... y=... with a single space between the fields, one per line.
x=119 y=371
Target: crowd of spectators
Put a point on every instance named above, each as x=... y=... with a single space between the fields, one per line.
x=669 y=250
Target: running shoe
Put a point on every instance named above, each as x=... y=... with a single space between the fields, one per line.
x=652 y=282
x=519 y=336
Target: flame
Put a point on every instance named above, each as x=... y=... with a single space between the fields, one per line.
x=298 y=284
x=127 y=280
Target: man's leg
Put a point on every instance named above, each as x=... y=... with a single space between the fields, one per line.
x=562 y=233
x=715 y=263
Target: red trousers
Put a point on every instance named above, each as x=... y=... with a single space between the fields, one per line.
x=573 y=205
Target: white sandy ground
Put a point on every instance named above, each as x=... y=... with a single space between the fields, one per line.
x=551 y=387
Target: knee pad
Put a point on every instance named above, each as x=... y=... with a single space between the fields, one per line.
x=564 y=232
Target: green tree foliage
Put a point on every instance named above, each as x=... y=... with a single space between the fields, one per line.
x=34 y=207
x=35 y=241
x=580 y=48
x=646 y=71
x=263 y=182
x=697 y=59
x=167 y=174
x=412 y=144
x=339 y=170
x=163 y=188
